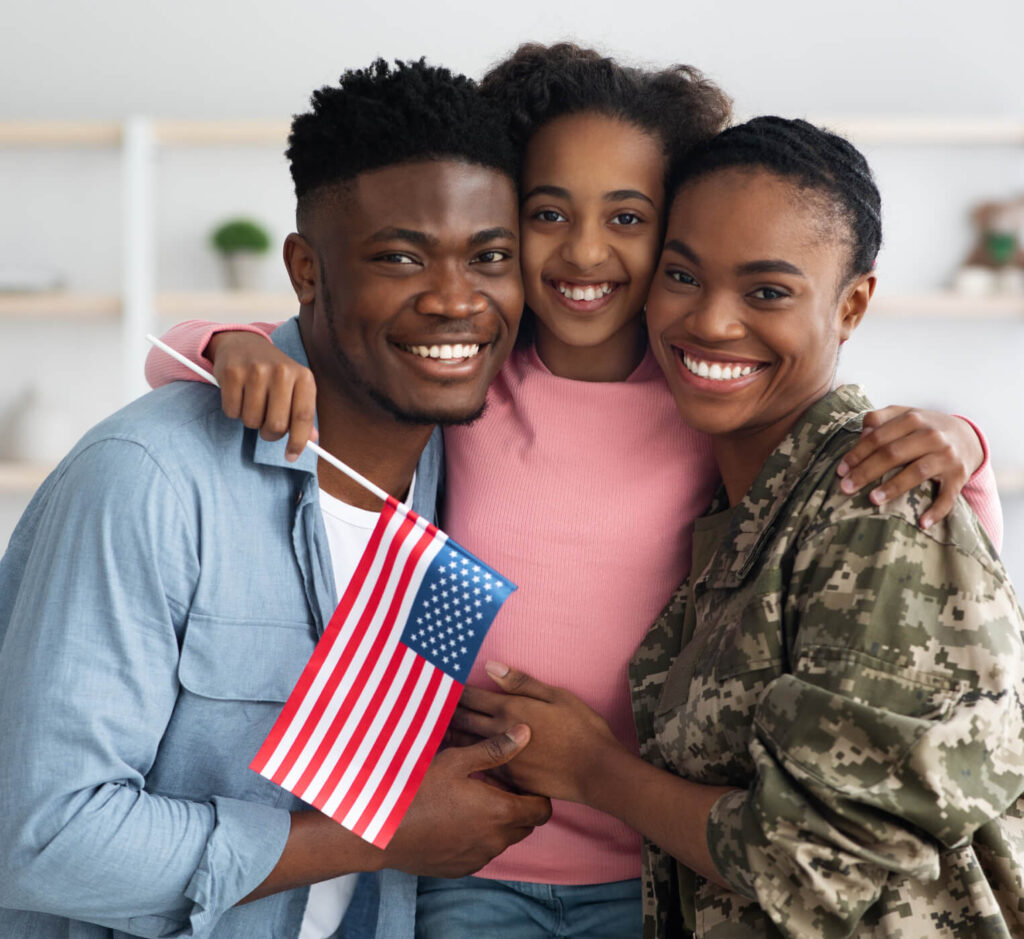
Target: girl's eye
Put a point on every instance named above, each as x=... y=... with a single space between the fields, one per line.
x=769 y=293
x=549 y=215
x=627 y=218
x=494 y=256
x=681 y=277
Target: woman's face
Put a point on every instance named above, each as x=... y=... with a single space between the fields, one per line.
x=750 y=302
x=590 y=226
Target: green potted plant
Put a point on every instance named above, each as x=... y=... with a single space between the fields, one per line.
x=243 y=245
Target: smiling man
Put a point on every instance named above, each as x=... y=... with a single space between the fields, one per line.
x=170 y=579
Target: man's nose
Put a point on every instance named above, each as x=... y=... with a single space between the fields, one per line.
x=453 y=294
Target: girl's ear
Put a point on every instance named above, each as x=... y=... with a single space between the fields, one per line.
x=854 y=304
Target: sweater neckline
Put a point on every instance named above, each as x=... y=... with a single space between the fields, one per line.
x=647 y=367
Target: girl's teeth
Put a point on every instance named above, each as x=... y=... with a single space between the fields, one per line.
x=446 y=352
x=589 y=292
x=716 y=371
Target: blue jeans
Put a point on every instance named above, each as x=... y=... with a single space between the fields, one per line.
x=474 y=908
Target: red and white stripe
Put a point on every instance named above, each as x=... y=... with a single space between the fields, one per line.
x=366 y=716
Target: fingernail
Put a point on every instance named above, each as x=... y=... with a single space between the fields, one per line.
x=926 y=522
x=496 y=669
x=291 y=457
x=878 y=496
x=847 y=485
x=842 y=469
x=518 y=734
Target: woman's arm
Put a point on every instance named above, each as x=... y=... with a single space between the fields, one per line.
x=260 y=385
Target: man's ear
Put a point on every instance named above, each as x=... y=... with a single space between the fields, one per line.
x=854 y=304
x=301 y=262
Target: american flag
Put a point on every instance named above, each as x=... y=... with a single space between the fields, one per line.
x=359 y=729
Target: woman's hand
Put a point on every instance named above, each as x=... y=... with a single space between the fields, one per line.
x=927 y=444
x=567 y=738
x=267 y=389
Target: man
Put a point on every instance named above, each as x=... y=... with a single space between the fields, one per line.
x=169 y=581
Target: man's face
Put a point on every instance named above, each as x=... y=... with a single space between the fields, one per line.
x=419 y=292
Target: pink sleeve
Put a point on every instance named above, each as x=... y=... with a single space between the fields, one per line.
x=190 y=339
x=982 y=496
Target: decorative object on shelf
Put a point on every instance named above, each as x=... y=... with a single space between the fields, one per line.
x=996 y=263
x=243 y=245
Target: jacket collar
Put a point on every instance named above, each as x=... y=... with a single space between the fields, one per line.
x=271 y=452
x=754 y=520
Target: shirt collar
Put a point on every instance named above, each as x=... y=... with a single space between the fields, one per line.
x=271 y=452
x=754 y=518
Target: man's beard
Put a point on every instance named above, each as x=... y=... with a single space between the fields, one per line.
x=356 y=381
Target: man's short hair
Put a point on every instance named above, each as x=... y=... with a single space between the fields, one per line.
x=383 y=115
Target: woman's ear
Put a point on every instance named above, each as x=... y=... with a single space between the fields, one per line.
x=854 y=304
x=300 y=261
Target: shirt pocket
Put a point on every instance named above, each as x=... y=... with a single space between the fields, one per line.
x=234 y=677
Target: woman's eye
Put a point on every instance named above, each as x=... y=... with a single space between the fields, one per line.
x=627 y=218
x=681 y=277
x=549 y=215
x=769 y=293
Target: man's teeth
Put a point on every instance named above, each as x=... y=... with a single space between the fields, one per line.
x=456 y=351
x=587 y=292
x=717 y=371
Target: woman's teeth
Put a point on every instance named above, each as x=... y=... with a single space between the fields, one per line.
x=456 y=351
x=717 y=371
x=584 y=292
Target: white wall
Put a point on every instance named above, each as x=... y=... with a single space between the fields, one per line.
x=66 y=60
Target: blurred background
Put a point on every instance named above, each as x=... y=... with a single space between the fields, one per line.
x=130 y=131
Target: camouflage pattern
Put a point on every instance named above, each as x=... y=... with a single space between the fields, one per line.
x=862 y=682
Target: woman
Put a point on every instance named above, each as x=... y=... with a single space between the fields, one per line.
x=830 y=708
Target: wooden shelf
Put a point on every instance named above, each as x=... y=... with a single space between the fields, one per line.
x=60 y=303
x=946 y=303
x=52 y=134
x=22 y=477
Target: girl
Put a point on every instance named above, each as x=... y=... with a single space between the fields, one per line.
x=830 y=708
x=595 y=546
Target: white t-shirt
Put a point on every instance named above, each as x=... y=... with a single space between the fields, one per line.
x=348 y=533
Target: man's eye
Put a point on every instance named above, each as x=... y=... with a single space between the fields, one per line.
x=549 y=215
x=769 y=293
x=627 y=218
x=493 y=256
x=396 y=257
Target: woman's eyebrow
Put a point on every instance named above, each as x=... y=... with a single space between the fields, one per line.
x=681 y=247
x=618 y=195
x=772 y=266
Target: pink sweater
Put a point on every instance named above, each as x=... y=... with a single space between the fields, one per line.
x=584 y=494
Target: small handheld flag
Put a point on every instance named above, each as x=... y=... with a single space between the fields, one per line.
x=359 y=730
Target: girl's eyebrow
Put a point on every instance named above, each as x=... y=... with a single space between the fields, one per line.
x=557 y=191
x=618 y=195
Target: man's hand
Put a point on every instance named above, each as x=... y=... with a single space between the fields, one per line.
x=454 y=826
x=457 y=823
x=267 y=389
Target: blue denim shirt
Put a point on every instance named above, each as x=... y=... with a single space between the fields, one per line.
x=158 y=601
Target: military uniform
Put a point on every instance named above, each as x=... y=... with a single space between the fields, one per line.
x=861 y=681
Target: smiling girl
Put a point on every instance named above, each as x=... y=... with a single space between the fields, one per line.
x=580 y=482
x=831 y=707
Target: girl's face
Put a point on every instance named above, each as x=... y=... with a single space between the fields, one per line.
x=750 y=302
x=590 y=225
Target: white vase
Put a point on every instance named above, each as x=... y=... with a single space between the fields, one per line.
x=245 y=269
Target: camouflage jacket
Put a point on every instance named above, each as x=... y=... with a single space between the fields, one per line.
x=862 y=682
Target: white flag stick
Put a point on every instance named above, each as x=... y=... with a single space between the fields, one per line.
x=319 y=451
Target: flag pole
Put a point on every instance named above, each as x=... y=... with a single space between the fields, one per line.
x=318 y=450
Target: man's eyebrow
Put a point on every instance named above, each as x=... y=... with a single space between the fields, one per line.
x=770 y=266
x=680 y=247
x=403 y=234
x=557 y=191
x=618 y=195
x=492 y=234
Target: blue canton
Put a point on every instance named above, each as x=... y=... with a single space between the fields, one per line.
x=454 y=607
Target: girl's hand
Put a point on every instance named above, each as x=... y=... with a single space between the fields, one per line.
x=267 y=389
x=927 y=444
x=566 y=736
